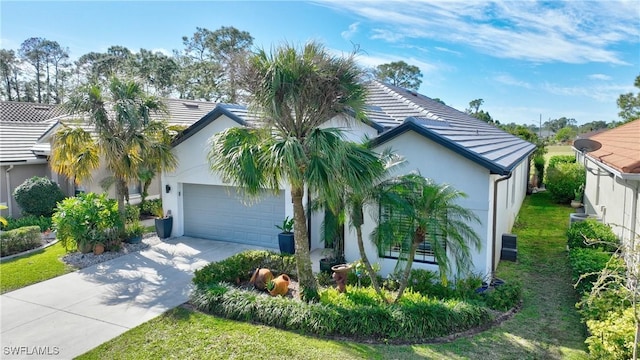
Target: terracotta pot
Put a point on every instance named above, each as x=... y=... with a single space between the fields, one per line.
x=260 y=278
x=98 y=249
x=281 y=285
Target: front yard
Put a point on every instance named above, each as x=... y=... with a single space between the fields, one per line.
x=548 y=325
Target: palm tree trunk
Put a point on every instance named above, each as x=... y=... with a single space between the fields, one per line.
x=367 y=264
x=121 y=188
x=308 y=284
x=417 y=239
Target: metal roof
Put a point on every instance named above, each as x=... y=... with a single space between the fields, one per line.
x=474 y=139
x=28 y=112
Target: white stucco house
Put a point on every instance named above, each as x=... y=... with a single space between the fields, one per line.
x=613 y=179
x=488 y=164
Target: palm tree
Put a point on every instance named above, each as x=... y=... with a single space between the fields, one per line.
x=294 y=91
x=124 y=137
x=417 y=211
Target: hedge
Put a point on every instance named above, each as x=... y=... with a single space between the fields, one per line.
x=19 y=240
x=591 y=234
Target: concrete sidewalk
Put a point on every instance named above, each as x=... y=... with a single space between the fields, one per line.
x=66 y=316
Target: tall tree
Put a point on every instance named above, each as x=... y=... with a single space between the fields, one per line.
x=557 y=124
x=294 y=91
x=156 y=71
x=418 y=211
x=32 y=51
x=629 y=104
x=399 y=73
x=9 y=73
x=229 y=46
x=474 y=110
x=126 y=138
x=200 y=75
x=57 y=62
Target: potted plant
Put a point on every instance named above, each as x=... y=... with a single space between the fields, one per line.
x=260 y=278
x=133 y=232
x=279 y=285
x=163 y=222
x=577 y=199
x=285 y=238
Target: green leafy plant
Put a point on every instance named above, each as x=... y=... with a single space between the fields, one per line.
x=578 y=193
x=38 y=196
x=612 y=338
x=504 y=297
x=132 y=213
x=19 y=240
x=287 y=225
x=561 y=159
x=270 y=285
x=585 y=264
x=87 y=219
x=134 y=229
x=593 y=234
x=563 y=180
x=149 y=207
x=43 y=222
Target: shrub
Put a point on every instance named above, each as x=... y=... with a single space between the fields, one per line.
x=148 y=208
x=43 y=222
x=38 y=196
x=597 y=234
x=612 y=337
x=561 y=159
x=563 y=180
x=598 y=307
x=240 y=267
x=504 y=297
x=538 y=164
x=132 y=213
x=86 y=220
x=19 y=240
x=586 y=261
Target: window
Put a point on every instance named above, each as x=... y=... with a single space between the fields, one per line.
x=424 y=252
x=134 y=188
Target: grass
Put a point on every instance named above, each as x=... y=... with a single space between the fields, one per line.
x=554 y=150
x=35 y=267
x=547 y=327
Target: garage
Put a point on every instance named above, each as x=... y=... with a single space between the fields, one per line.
x=218 y=213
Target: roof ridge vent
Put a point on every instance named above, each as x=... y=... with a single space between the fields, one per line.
x=190 y=104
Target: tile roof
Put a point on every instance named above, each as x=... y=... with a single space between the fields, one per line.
x=17 y=139
x=28 y=112
x=474 y=139
x=620 y=147
x=186 y=112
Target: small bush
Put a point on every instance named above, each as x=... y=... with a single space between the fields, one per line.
x=591 y=234
x=538 y=164
x=43 y=222
x=148 y=208
x=38 y=196
x=132 y=213
x=240 y=267
x=86 y=220
x=561 y=159
x=613 y=337
x=599 y=307
x=19 y=240
x=563 y=180
x=588 y=262
x=504 y=297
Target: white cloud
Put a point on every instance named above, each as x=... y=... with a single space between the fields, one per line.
x=510 y=80
x=569 y=31
x=163 y=51
x=443 y=49
x=599 y=77
x=353 y=29
x=371 y=61
x=603 y=93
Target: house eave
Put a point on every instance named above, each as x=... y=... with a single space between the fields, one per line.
x=613 y=171
x=206 y=120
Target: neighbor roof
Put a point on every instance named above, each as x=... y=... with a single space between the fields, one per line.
x=17 y=139
x=474 y=139
x=28 y=112
x=620 y=148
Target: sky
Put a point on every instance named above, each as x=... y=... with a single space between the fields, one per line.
x=528 y=60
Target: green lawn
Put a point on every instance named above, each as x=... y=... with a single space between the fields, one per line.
x=35 y=267
x=547 y=327
x=554 y=150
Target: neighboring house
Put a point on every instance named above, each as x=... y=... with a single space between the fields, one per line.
x=21 y=124
x=613 y=179
x=26 y=131
x=442 y=143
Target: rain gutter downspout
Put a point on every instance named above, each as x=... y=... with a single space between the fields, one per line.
x=8 y=183
x=495 y=221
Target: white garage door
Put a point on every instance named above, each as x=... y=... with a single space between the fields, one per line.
x=218 y=213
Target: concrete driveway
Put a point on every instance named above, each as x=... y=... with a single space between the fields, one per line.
x=66 y=316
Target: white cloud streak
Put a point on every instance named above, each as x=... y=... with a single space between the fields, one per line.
x=353 y=29
x=599 y=77
x=568 y=31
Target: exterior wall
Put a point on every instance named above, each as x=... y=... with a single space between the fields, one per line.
x=16 y=176
x=193 y=168
x=616 y=201
x=511 y=193
x=443 y=166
